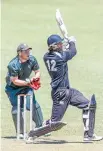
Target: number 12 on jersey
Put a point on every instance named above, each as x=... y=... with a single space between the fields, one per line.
x=51 y=65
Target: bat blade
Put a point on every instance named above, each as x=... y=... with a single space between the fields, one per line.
x=61 y=24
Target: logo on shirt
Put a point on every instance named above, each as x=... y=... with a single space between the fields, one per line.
x=61 y=102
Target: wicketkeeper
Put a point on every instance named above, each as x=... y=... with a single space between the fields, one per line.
x=19 y=71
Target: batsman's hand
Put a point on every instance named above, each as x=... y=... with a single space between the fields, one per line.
x=72 y=39
x=34 y=83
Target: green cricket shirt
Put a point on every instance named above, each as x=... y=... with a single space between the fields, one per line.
x=22 y=70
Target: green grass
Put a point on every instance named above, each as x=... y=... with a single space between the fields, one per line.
x=32 y=22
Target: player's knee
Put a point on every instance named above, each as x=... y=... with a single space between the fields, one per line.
x=93 y=103
x=14 y=110
x=36 y=105
x=91 y=106
x=84 y=105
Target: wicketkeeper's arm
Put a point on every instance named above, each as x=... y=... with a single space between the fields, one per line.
x=18 y=82
x=37 y=75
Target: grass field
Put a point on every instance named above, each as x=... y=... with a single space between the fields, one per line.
x=32 y=21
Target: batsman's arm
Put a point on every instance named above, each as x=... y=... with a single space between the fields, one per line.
x=71 y=51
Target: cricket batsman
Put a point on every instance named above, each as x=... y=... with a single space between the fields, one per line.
x=62 y=94
x=19 y=70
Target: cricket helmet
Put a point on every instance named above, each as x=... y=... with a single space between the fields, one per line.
x=53 y=40
x=23 y=47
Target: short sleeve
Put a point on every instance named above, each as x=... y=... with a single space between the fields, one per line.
x=35 y=65
x=12 y=71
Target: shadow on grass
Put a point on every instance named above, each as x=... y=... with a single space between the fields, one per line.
x=49 y=141
x=59 y=142
x=9 y=137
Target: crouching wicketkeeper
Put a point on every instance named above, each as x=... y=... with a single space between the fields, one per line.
x=19 y=70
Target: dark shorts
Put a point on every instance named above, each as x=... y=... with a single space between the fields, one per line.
x=62 y=98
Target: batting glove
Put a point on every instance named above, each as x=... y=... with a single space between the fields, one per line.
x=72 y=39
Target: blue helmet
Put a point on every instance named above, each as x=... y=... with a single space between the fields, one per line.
x=54 y=39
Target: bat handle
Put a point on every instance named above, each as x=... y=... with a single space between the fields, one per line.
x=66 y=37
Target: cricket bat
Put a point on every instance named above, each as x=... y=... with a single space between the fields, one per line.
x=61 y=24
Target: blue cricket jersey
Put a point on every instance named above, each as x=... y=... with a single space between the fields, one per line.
x=56 y=63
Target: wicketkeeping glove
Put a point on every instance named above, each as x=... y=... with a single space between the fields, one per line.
x=35 y=84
